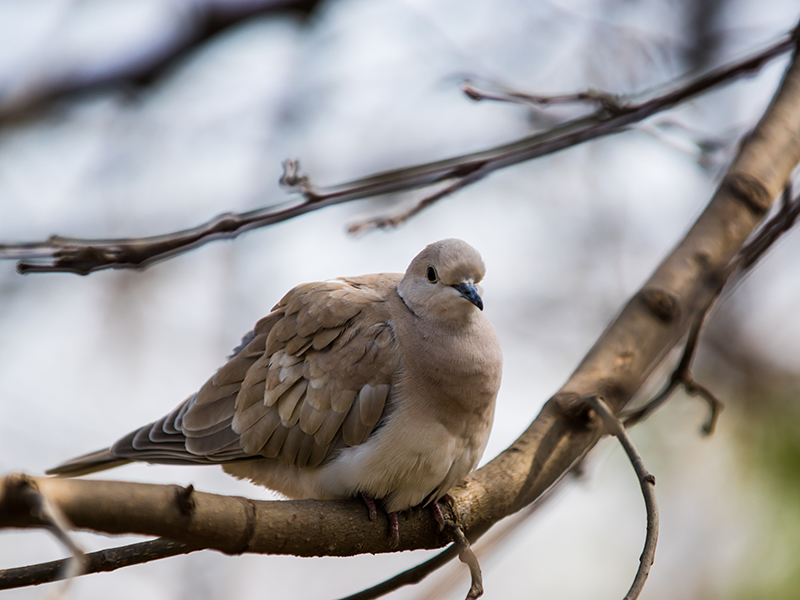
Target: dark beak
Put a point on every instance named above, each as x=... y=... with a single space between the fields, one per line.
x=470 y=292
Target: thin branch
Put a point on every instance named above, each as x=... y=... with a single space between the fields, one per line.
x=682 y=376
x=109 y=559
x=361 y=227
x=410 y=577
x=467 y=556
x=647 y=483
x=606 y=103
x=143 y=66
x=745 y=260
x=84 y=256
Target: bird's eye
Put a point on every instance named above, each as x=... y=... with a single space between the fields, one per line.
x=431 y=274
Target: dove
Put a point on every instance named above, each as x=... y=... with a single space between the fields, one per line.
x=382 y=386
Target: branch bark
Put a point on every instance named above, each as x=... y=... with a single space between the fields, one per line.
x=652 y=322
x=84 y=256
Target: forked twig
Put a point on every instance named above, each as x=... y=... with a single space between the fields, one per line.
x=785 y=218
x=608 y=104
x=647 y=483
x=367 y=225
x=682 y=376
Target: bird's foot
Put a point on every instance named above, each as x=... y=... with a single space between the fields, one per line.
x=373 y=511
x=437 y=511
x=394 y=525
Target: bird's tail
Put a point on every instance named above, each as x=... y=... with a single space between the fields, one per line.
x=88 y=463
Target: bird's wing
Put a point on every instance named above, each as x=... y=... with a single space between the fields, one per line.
x=315 y=374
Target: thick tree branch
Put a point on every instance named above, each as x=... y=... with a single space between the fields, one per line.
x=84 y=256
x=648 y=327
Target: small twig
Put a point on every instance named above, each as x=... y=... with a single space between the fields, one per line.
x=140 y=69
x=467 y=556
x=101 y=561
x=361 y=227
x=647 y=483
x=608 y=104
x=84 y=256
x=682 y=375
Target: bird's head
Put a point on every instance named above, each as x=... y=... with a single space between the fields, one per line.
x=442 y=281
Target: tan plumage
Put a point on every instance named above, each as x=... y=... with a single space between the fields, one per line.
x=383 y=385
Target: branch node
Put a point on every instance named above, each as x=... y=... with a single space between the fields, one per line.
x=184 y=498
x=661 y=303
x=293 y=179
x=249 y=526
x=750 y=192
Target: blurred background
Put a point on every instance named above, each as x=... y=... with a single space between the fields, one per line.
x=140 y=117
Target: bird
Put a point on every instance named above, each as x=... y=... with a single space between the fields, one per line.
x=382 y=386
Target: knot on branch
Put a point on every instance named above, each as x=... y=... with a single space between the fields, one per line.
x=750 y=192
x=184 y=499
x=18 y=494
x=661 y=303
x=249 y=526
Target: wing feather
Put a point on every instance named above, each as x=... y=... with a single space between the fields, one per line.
x=312 y=376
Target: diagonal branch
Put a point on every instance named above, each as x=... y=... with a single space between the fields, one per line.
x=84 y=256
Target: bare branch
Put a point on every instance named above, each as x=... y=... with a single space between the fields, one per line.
x=467 y=556
x=410 y=577
x=205 y=22
x=646 y=481
x=750 y=254
x=84 y=256
x=360 y=227
x=682 y=376
x=608 y=104
x=101 y=561
x=783 y=221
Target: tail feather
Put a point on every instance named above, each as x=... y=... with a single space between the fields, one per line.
x=88 y=463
